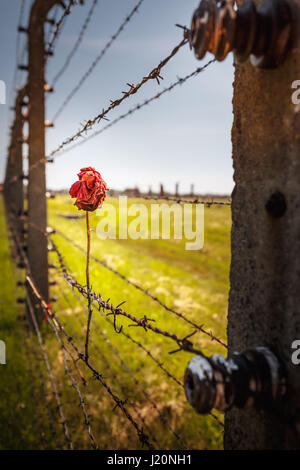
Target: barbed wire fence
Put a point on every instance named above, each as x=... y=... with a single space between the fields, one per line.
x=34 y=242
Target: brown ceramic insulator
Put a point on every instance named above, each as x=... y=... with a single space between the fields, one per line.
x=263 y=33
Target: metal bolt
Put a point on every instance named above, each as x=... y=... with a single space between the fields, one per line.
x=254 y=378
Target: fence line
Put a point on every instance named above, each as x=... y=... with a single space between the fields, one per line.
x=66 y=343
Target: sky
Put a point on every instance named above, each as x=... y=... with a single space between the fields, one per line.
x=184 y=137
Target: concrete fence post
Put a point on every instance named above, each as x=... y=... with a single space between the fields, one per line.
x=264 y=302
x=37 y=209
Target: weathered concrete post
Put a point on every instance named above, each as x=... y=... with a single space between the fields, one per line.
x=37 y=210
x=13 y=181
x=18 y=160
x=264 y=303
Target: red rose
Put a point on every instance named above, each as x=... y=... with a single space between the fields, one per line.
x=89 y=191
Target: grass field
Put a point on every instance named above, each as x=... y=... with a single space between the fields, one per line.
x=195 y=283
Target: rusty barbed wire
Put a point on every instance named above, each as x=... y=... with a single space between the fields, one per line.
x=113 y=375
x=119 y=403
x=58 y=26
x=49 y=314
x=81 y=357
x=153 y=75
x=144 y=291
x=96 y=61
x=141 y=346
x=149 y=354
x=183 y=344
x=180 y=81
x=76 y=45
x=144 y=322
x=128 y=370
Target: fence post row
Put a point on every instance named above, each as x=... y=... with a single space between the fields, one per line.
x=13 y=184
x=37 y=209
x=264 y=303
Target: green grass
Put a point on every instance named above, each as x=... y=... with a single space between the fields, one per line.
x=195 y=283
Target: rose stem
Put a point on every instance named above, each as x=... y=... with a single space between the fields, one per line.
x=88 y=285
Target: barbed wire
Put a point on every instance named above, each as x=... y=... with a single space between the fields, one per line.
x=186 y=345
x=144 y=291
x=159 y=364
x=180 y=81
x=113 y=375
x=81 y=357
x=129 y=371
x=96 y=61
x=192 y=200
x=59 y=24
x=141 y=346
x=183 y=344
x=50 y=315
x=153 y=75
x=76 y=45
x=137 y=107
